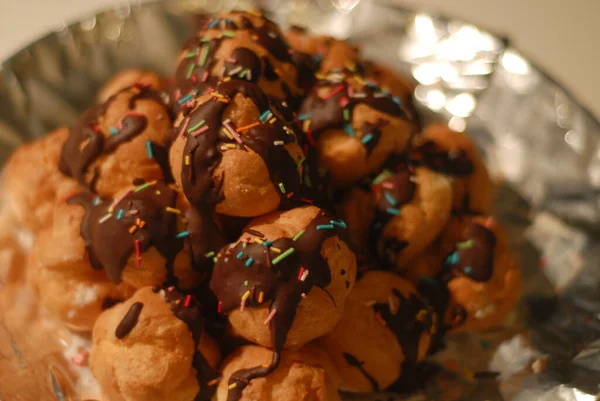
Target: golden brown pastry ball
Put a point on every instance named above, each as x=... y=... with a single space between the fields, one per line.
x=150 y=348
x=118 y=141
x=303 y=375
x=32 y=183
x=354 y=126
x=385 y=331
x=127 y=78
x=482 y=274
x=232 y=152
x=456 y=155
x=400 y=215
x=235 y=45
x=285 y=281
x=314 y=54
x=110 y=246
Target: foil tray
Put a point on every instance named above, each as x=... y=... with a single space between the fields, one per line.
x=542 y=146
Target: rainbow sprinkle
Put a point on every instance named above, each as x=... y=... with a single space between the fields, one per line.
x=390 y=198
x=271 y=316
x=240 y=255
x=367 y=138
x=325 y=227
x=282 y=256
x=394 y=211
x=339 y=223
x=249 y=262
x=113 y=130
x=297 y=236
x=149 y=150
x=183 y=234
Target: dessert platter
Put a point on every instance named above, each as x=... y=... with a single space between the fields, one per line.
x=293 y=203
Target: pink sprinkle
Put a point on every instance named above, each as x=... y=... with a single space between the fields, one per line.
x=343 y=101
x=134 y=211
x=303 y=295
x=193 y=78
x=350 y=91
x=120 y=125
x=118 y=200
x=231 y=60
x=205 y=76
x=270 y=317
x=184 y=126
x=335 y=91
x=490 y=222
x=135 y=114
x=233 y=132
x=387 y=185
x=243 y=305
x=177 y=94
x=200 y=131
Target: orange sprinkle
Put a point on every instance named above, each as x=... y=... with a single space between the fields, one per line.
x=247 y=127
x=261 y=296
x=132 y=229
x=213 y=382
x=370 y=303
x=223 y=101
x=380 y=319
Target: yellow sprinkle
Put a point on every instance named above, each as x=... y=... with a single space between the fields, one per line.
x=226 y=79
x=216 y=94
x=157 y=192
x=259 y=241
x=271 y=121
x=370 y=303
x=232 y=386
x=277 y=250
x=246 y=295
x=231 y=146
x=226 y=132
x=306 y=125
x=187 y=160
x=178 y=301
x=172 y=210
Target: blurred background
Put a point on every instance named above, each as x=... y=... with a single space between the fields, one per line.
x=560 y=36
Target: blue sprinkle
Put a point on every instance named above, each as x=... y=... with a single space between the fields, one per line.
x=304 y=116
x=325 y=227
x=150 y=150
x=249 y=262
x=239 y=255
x=349 y=130
x=120 y=214
x=183 y=234
x=264 y=116
x=394 y=211
x=96 y=201
x=385 y=92
x=453 y=258
x=267 y=243
x=372 y=85
x=396 y=99
x=367 y=138
x=390 y=199
x=113 y=130
x=317 y=58
x=185 y=99
x=468 y=270
x=213 y=23
x=339 y=223
x=228 y=20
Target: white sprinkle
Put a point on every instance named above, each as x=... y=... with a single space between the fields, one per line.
x=105 y=217
x=278 y=143
x=84 y=295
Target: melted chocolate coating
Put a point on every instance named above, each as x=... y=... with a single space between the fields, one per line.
x=110 y=240
x=196 y=72
x=187 y=309
x=129 y=320
x=474 y=257
x=86 y=142
x=328 y=113
x=393 y=191
x=197 y=177
x=256 y=273
x=453 y=162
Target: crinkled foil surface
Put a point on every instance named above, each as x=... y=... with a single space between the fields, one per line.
x=541 y=145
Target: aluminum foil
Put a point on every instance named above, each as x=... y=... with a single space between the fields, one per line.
x=542 y=147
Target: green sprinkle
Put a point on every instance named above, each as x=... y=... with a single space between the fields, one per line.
x=340 y=223
x=215 y=259
x=229 y=34
x=244 y=245
x=394 y=211
x=299 y=162
x=308 y=181
x=183 y=234
x=195 y=127
x=192 y=54
x=282 y=256
x=382 y=176
x=325 y=227
x=346 y=114
x=281 y=187
x=190 y=70
x=210 y=254
x=204 y=56
x=297 y=236
x=246 y=283
x=142 y=187
x=465 y=244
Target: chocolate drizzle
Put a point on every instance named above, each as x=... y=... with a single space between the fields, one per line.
x=454 y=162
x=129 y=320
x=474 y=257
x=355 y=362
x=336 y=109
x=204 y=156
x=139 y=220
x=187 y=309
x=252 y=273
x=86 y=142
x=393 y=190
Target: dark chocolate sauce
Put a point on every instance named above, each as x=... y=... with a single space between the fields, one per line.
x=251 y=273
x=187 y=309
x=355 y=362
x=129 y=320
x=113 y=231
x=453 y=162
x=86 y=142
